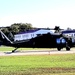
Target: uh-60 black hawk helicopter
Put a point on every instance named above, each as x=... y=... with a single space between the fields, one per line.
x=48 y=40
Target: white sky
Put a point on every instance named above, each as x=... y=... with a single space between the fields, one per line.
x=40 y=13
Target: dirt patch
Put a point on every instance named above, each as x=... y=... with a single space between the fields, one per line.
x=49 y=71
x=57 y=70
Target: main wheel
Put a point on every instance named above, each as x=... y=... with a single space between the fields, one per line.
x=59 y=49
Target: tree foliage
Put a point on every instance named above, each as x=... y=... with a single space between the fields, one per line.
x=16 y=28
x=24 y=27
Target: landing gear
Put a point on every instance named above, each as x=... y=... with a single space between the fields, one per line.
x=67 y=48
x=14 y=50
x=59 y=49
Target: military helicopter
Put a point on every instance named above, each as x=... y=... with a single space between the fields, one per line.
x=48 y=40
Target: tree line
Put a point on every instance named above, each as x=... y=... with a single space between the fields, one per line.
x=15 y=28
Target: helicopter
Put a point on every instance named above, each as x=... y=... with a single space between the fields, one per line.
x=47 y=40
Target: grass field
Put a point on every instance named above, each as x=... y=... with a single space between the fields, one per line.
x=38 y=65
x=2 y=48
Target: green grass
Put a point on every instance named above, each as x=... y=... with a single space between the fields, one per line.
x=38 y=65
x=4 y=48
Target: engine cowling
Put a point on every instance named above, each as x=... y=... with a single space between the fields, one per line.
x=60 y=40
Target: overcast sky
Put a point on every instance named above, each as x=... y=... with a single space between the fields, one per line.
x=40 y=13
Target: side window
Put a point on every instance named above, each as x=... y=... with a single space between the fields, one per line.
x=26 y=35
x=72 y=35
x=32 y=35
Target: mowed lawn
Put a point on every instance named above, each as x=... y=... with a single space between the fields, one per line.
x=5 y=48
x=63 y=64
